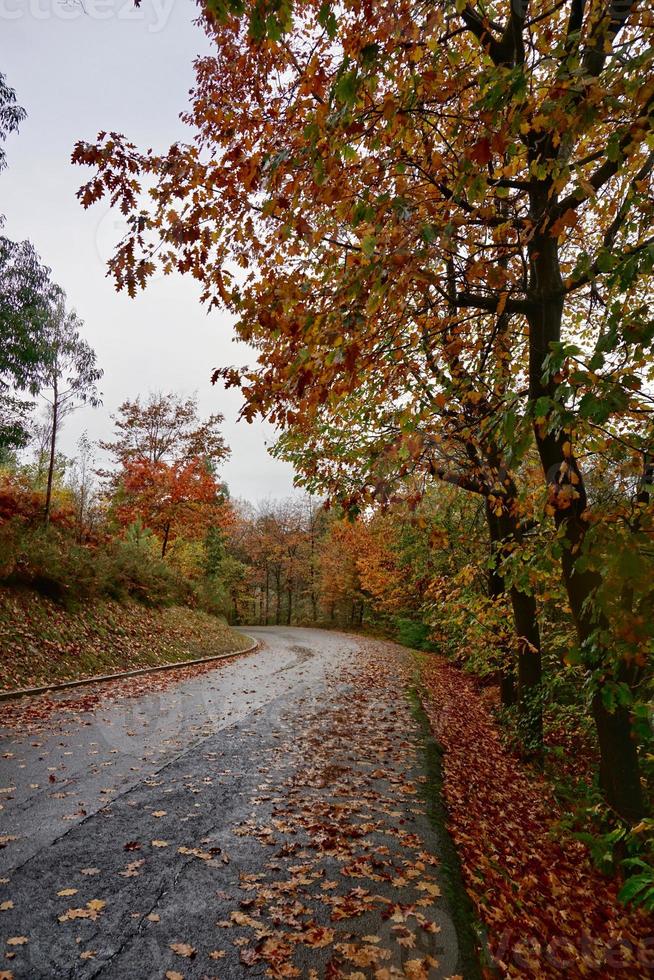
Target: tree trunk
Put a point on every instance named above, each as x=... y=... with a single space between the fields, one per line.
x=267 y=600
x=619 y=768
x=503 y=530
x=496 y=591
x=289 y=593
x=53 y=448
x=164 y=543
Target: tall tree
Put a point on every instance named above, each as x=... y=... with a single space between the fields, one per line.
x=67 y=379
x=167 y=458
x=26 y=295
x=437 y=168
x=11 y=115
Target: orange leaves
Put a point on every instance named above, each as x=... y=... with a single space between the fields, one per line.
x=541 y=898
x=169 y=497
x=569 y=219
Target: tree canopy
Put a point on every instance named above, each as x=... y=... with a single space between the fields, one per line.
x=448 y=206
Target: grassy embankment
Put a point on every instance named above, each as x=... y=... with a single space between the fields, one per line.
x=43 y=643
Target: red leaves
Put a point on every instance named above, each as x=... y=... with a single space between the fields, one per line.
x=480 y=151
x=548 y=911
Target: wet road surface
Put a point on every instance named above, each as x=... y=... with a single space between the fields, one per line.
x=270 y=816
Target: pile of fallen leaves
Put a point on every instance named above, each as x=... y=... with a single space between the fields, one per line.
x=547 y=910
x=43 y=643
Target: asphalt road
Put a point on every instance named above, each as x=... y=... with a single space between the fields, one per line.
x=270 y=817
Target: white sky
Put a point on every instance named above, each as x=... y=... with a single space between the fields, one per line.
x=116 y=68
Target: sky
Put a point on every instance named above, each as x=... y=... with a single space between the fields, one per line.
x=109 y=66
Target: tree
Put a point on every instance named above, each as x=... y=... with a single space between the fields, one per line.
x=69 y=377
x=165 y=428
x=169 y=498
x=166 y=475
x=11 y=116
x=81 y=483
x=26 y=294
x=430 y=169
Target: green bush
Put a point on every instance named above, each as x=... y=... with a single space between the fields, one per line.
x=59 y=568
x=416 y=635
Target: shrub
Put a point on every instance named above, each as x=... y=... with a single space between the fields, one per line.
x=50 y=562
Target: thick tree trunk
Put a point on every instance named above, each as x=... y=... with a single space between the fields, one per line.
x=619 y=768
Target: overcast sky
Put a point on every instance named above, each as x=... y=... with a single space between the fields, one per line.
x=117 y=68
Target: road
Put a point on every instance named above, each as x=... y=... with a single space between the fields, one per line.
x=272 y=816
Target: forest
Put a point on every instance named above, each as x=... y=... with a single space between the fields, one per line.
x=432 y=226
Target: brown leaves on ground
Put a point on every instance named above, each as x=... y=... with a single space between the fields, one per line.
x=91 y=910
x=548 y=911
x=346 y=872
x=183 y=949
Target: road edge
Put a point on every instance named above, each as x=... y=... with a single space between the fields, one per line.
x=100 y=678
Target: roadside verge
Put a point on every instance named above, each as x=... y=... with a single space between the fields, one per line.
x=100 y=678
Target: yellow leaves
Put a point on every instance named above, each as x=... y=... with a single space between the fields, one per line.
x=17 y=941
x=174 y=975
x=91 y=910
x=5 y=906
x=159 y=843
x=67 y=892
x=159 y=813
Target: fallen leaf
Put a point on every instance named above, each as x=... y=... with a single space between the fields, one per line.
x=183 y=949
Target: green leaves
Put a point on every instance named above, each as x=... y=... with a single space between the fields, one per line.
x=327 y=19
x=639 y=888
x=345 y=89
